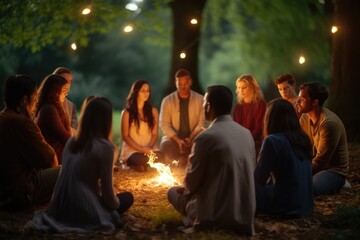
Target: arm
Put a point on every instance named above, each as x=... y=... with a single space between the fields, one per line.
x=36 y=150
x=72 y=115
x=49 y=121
x=197 y=110
x=196 y=171
x=106 y=176
x=155 y=130
x=266 y=161
x=261 y=108
x=165 y=122
x=74 y=119
x=325 y=145
x=125 y=134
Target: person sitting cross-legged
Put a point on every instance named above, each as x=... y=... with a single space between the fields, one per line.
x=219 y=190
x=84 y=198
x=29 y=165
x=285 y=157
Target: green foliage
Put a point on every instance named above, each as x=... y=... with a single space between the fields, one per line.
x=165 y=215
x=264 y=38
x=35 y=24
x=347 y=216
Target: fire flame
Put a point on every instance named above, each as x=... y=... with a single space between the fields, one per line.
x=165 y=177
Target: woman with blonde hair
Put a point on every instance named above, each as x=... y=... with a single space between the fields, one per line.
x=84 y=198
x=250 y=107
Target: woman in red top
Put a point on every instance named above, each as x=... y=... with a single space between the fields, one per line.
x=50 y=115
x=250 y=108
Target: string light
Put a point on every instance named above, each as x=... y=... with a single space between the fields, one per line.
x=301 y=59
x=86 y=11
x=182 y=55
x=128 y=28
x=194 y=21
x=132 y=7
x=334 y=29
x=73 y=46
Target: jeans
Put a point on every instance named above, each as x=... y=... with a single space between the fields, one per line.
x=126 y=200
x=327 y=182
x=177 y=199
x=44 y=182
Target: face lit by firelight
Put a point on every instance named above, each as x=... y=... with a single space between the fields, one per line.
x=144 y=93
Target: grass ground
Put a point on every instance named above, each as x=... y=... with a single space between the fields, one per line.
x=152 y=217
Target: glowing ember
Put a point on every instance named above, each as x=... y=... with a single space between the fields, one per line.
x=165 y=177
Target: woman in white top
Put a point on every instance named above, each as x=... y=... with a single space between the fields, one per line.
x=139 y=127
x=84 y=198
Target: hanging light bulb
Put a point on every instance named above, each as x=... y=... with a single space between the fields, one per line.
x=86 y=11
x=73 y=46
x=194 y=21
x=128 y=28
x=301 y=59
x=182 y=55
x=334 y=29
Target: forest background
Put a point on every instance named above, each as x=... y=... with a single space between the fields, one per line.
x=262 y=38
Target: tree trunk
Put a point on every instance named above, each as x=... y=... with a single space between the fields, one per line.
x=344 y=98
x=186 y=37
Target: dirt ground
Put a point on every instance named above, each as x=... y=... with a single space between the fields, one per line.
x=152 y=217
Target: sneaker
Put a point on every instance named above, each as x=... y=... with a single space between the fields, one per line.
x=347 y=185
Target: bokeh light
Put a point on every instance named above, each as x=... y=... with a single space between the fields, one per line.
x=86 y=11
x=301 y=59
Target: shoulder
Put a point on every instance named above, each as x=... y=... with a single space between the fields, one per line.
x=262 y=103
x=196 y=95
x=48 y=108
x=277 y=137
x=330 y=120
x=70 y=103
x=102 y=143
x=124 y=112
x=154 y=111
x=171 y=96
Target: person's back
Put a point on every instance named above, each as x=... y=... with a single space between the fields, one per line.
x=84 y=198
x=292 y=196
x=229 y=182
x=76 y=196
x=219 y=191
x=23 y=149
x=285 y=158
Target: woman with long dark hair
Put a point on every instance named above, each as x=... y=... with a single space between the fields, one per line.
x=50 y=115
x=84 y=198
x=139 y=127
x=285 y=158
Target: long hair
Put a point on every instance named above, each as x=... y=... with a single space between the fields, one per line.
x=253 y=84
x=280 y=117
x=49 y=92
x=95 y=122
x=62 y=70
x=131 y=106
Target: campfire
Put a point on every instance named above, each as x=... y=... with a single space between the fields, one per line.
x=165 y=177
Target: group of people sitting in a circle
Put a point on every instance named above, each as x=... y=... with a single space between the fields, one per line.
x=254 y=157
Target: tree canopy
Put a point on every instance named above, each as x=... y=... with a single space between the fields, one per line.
x=263 y=38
